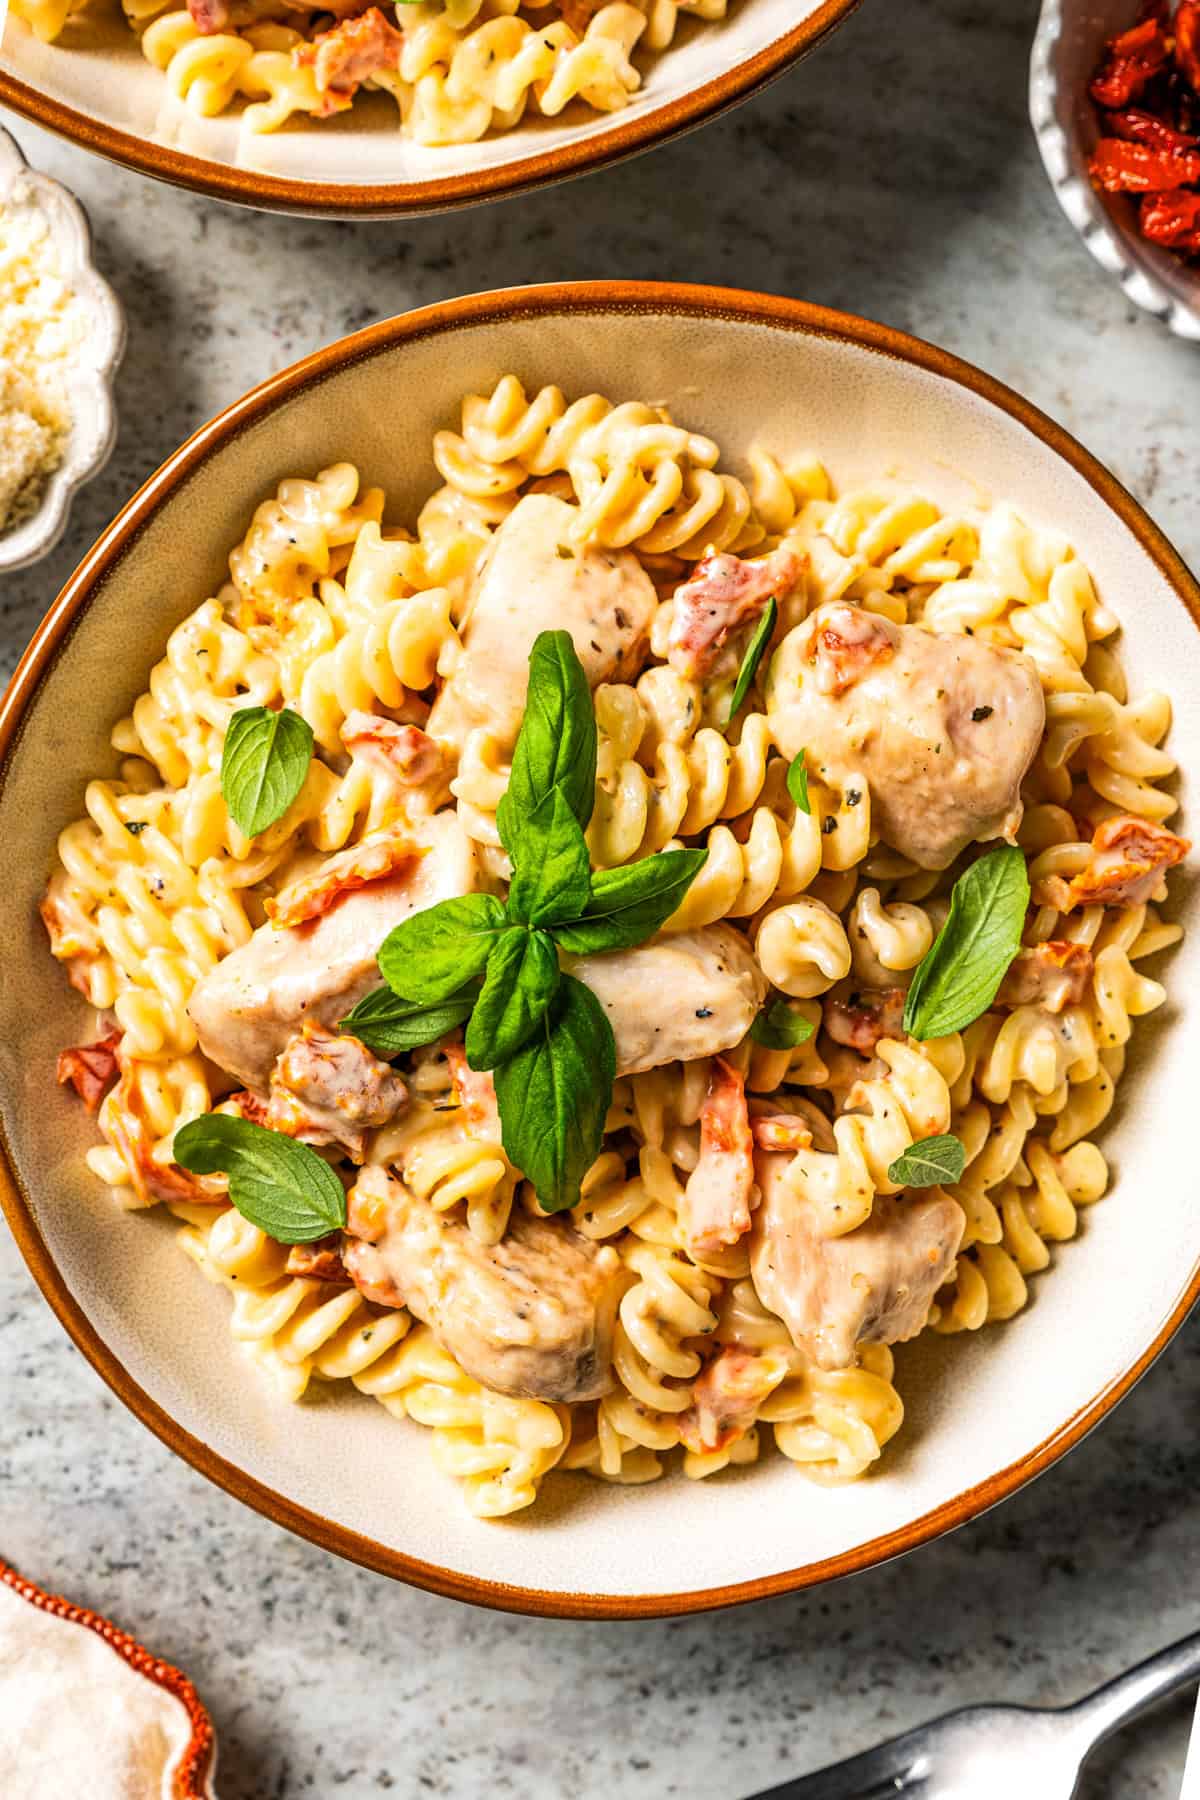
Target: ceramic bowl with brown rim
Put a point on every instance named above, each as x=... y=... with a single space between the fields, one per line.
x=986 y=1410
x=94 y=86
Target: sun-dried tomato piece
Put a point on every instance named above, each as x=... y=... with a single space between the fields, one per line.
x=1131 y=60
x=319 y=1261
x=1144 y=128
x=90 y=1069
x=716 y=1208
x=1129 y=859
x=780 y=1131
x=726 y=1398
x=1120 y=167
x=311 y=896
x=1187 y=41
x=351 y=53
x=1170 y=218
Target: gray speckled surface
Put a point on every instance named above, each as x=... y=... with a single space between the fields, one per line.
x=894 y=175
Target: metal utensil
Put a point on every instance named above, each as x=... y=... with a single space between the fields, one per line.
x=994 y=1752
x=1191 y=1774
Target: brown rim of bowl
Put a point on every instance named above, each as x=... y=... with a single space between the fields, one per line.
x=99 y=565
x=405 y=199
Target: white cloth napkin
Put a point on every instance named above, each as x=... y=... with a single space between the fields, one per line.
x=85 y=1711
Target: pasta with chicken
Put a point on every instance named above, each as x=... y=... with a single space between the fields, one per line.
x=731 y=1273
x=456 y=69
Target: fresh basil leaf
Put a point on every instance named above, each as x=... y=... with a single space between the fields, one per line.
x=552 y=874
x=959 y=975
x=554 y=1096
x=797 y=782
x=929 y=1162
x=629 y=905
x=521 y=981
x=283 y=1187
x=435 y=953
x=387 y=1025
x=506 y=825
x=556 y=746
x=752 y=658
x=264 y=761
x=780 y=1027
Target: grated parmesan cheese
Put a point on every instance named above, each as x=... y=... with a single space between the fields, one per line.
x=42 y=325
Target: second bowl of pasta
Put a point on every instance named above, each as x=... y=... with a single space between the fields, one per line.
x=608 y=913
x=390 y=109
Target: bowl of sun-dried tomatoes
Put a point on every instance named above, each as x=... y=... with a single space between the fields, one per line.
x=1115 y=101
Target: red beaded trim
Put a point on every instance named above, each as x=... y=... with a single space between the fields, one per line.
x=195 y=1768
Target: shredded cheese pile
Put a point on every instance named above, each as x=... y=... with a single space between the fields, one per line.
x=41 y=327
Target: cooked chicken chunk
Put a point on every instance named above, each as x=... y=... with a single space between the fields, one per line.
x=247 y=1008
x=532 y=1315
x=688 y=994
x=726 y=1398
x=535 y=579
x=1052 y=975
x=873 y=1285
x=1129 y=860
x=329 y=1089
x=943 y=728
x=716 y=1202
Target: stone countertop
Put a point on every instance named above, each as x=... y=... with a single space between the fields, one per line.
x=893 y=175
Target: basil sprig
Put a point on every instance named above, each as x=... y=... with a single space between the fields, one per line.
x=521 y=981
x=283 y=1187
x=780 y=1027
x=797 y=782
x=435 y=953
x=752 y=658
x=960 y=974
x=556 y=746
x=552 y=880
x=264 y=761
x=929 y=1162
x=544 y=1034
x=626 y=906
x=388 y=1025
x=554 y=1095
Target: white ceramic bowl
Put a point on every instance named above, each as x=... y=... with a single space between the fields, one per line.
x=986 y=1411
x=95 y=87
x=1070 y=38
x=93 y=425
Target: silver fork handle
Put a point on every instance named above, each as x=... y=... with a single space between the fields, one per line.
x=1105 y=1711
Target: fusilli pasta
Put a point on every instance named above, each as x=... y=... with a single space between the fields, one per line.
x=456 y=69
x=343 y=619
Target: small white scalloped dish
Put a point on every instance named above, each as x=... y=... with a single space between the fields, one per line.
x=1070 y=38
x=93 y=429
x=986 y=1410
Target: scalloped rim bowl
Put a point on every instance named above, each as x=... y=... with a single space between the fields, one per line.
x=111 y=101
x=987 y=1410
x=94 y=422
x=1069 y=38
